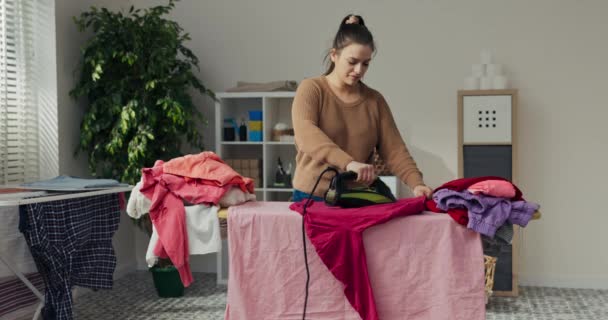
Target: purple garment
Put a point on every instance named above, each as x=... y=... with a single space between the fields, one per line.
x=486 y=214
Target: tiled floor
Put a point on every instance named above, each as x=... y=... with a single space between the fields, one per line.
x=134 y=297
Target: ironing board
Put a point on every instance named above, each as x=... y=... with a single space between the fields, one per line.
x=420 y=267
x=6 y=201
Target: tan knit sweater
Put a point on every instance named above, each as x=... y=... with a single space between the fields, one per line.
x=330 y=132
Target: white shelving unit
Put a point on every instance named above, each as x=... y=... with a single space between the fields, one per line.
x=276 y=107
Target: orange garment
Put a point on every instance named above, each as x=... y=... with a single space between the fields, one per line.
x=494 y=188
x=209 y=167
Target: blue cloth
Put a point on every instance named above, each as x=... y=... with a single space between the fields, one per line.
x=486 y=214
x=68 y=183
x=300 y=195
x=71 y=243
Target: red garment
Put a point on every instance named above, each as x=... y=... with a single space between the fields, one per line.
x=336 y=235
x=122 y=202
x=461 y=215
x=169 y=191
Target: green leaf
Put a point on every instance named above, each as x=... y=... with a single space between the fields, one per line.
x=136 y=73
x=150 y=85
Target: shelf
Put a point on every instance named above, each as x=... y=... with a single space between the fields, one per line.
x=280 y=143
x=273 y=189
x=242 y=142
x=276 y=108
x=272 y=94
x=278 y=189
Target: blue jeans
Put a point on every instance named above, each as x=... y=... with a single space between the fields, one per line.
x=300 y=195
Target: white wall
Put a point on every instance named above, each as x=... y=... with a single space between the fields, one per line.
x=70 y=112
x=554 y=54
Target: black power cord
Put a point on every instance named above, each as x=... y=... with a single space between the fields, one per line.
x=308 y=201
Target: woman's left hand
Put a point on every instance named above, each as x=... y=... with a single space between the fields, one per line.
x=422 y=190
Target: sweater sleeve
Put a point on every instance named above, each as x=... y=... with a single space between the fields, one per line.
x=393 y=150
x=310 y=139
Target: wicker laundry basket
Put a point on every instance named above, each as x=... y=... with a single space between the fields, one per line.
x=490 y=267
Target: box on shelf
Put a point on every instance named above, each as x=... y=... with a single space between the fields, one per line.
x=250 y=168
x=255 y=125
x=255 y=115
x=255 y=135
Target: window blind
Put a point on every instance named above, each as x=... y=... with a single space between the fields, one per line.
x=28 y=98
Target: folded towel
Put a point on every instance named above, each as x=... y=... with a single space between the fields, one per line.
x=138 y=204
x=203 y=228
x=283 y=85
x=235 y=196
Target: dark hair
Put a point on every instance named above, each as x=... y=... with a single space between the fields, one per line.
x=347 y=34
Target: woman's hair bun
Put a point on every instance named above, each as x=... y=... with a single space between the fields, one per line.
x=353 y=19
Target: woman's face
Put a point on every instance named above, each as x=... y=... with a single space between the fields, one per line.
x=351 y=62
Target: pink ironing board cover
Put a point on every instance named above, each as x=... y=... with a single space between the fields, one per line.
x=422 y=267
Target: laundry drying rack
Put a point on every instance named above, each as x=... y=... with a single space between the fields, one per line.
x=38 y=197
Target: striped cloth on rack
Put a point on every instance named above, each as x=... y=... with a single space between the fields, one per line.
x=14 y=295
x=71 y=243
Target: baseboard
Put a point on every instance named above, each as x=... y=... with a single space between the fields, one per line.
x=123 y=270
x=559 y=281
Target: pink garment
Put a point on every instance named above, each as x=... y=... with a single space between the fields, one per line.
x=336 y=233
x=421 y=267
x=208 y=166
x=168 y=193
x=494 y=188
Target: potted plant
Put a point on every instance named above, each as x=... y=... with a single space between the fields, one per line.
x=137 y=76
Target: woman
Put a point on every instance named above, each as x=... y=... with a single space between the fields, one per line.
x=338 y=120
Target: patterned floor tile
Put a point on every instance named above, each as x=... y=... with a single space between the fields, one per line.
x=134 y=298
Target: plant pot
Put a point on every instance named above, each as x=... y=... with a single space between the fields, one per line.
x=167 y=282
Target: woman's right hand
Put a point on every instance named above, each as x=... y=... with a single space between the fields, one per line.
x=365 y=172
